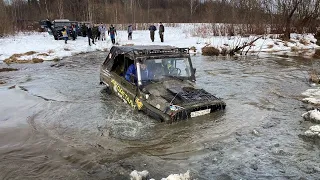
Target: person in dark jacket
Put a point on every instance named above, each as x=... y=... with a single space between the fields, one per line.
x=95 y=33
x=112 y=32
x=130 y=32
x=152 y=29
x=49 y=25
x=89 y=33
x=161 y=31
x=74 y=31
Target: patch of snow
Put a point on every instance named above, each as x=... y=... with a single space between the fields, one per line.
x=313 y=96
x=313 y=115
x=314 y=131
x=136 y=175
x=185 y=176
x=143 y=175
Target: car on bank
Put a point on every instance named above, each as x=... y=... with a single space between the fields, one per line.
x=59 y=24
x=163 y=85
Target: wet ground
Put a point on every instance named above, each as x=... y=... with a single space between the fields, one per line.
x=57 y=122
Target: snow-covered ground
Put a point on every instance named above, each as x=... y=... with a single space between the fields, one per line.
x=313 y=97
x=183 y=35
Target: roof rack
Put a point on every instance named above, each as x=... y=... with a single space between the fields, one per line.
x=162 y=51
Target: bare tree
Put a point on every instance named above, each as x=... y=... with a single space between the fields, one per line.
x=60 y=8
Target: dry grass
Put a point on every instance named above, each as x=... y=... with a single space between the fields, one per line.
x=210 y=51
x=15 y=58
x=29 y=53
x=316 y=53
x=23 y=61
x=286 y=44
x=291 y=41
x=43 y=54
x=294 y=49
x=50 y=51
x=270 y=46
x=36 y=60
x=2 y=82
x=8 y=69
x=313 y=77
x=304 y=41
x=56 y=59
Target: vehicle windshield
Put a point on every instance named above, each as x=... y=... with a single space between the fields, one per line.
x=158 y=69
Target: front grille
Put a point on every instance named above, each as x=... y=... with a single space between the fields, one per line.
x=186 y=113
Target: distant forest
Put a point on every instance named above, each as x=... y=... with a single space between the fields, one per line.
x=282 y=15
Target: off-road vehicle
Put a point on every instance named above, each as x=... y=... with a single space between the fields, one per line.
x=168 y=90
x=58 y=26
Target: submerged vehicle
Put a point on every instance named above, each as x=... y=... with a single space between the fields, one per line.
x=158 y=80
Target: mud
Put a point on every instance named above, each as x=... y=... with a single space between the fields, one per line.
x=57 y=122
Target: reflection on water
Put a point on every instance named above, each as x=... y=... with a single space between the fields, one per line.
x=59 y=123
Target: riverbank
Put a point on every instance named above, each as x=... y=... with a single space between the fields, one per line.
x=183 y=35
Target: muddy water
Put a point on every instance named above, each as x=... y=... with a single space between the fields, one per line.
x=57 y=122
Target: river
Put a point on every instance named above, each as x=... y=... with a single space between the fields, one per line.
x=57 y=122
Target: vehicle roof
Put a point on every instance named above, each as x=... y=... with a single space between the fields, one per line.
x=143 y=51
x=139 y=48
x=61 y=20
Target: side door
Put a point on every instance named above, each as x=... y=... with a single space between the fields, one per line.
x=124 y=89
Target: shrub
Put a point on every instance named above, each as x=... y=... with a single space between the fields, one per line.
x=210 y=51
x=316 y=53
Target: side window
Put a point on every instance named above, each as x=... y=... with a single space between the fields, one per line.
x=181 y=65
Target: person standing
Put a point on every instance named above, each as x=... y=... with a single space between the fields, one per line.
x=102 y=29
x=112 y=32
x=65 y=34
x=49 y=25
x=161 y=31
x=89 y=34
x=74 y=32
x=130 y=32
x=152 y=29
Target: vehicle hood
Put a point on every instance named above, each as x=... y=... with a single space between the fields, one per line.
x=180 y=93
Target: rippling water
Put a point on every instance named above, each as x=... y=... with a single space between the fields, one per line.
x=57 y=122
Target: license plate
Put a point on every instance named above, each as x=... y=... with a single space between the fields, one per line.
x=200 y=113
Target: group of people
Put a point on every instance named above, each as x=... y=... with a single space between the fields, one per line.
x=69 y=31
x=152 y=30
x=95 y=33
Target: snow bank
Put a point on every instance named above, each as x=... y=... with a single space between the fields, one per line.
x=182 y=35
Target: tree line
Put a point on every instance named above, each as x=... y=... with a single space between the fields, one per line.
x=280 y=16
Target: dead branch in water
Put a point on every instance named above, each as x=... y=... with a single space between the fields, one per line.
x=238 y=48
